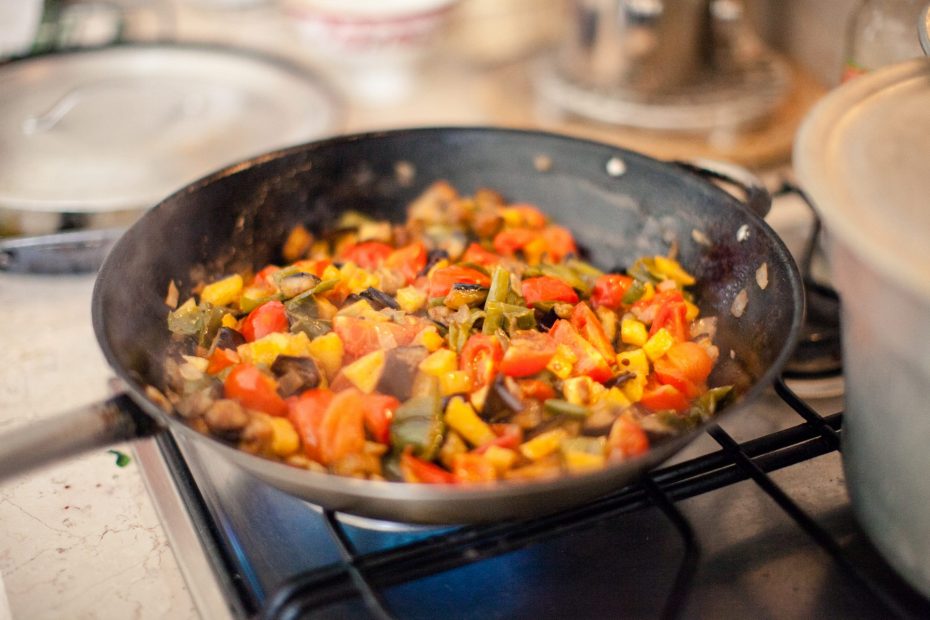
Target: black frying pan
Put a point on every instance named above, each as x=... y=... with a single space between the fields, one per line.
x=619 y=204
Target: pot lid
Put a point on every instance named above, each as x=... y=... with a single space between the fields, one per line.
x=863 y=155
x=122 y=127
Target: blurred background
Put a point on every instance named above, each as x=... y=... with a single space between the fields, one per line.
x=725 y=79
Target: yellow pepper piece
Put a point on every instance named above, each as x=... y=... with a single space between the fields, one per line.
x=264 y=350
x=284 y=439
x=440 y=362
x=534 y=250
x=561 y=363
x=543 y=444
x=229 y=321
x=691 y=311
x=429 y=338
x=298 y=243
x=616 y=398
x=649 y=291
x=223 y=292
x=633 y=332
x=357 y=279
x=462 y=419
x=581 y=390
x=454 y=382
x=366 y=371
x=673 y=270
x=331 y=272
x=501 y=458
x=328 y=351
x=658 y=344
x=578 y=462
x=633 y=361
x=634 y=388
x=410 y=299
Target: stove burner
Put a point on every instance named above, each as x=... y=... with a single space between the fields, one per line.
x=818 y=352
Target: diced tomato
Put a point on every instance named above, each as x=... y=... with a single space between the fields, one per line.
x=559 y=243
x=671 y=315
x=609 y=290
x=254 y=389
x=528 y=353
x=342 y=431
x=627 y=438
x=480 y=358
x=221 y=359
x=590 y=361
x=442 y=280
x=265 y=319
x=362 y=336
x=667 y=373
x=670 y=312
x=536 y=389
x=511 y=240
x=664 y=397
x=368 y=254
x=589 y=326
x=546 y=288
x=408 y=260
x=472 y=467
x=417 y=470
x=692 y=359
x=478 y=255
x=306 y=414
x=379 y=412
x=686 y=367
x=263 y=278
x=508 y=436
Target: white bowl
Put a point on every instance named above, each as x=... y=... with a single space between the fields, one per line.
x=374 y=48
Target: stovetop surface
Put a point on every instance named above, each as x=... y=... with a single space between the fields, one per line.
x=698 y=540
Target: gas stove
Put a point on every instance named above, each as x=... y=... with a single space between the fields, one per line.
x=753 y=518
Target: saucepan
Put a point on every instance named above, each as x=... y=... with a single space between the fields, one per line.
x=619 y=204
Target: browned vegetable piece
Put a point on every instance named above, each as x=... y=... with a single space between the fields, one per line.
x=295 y=374
x=226 y=338
x=227 y=418
x=400 y=369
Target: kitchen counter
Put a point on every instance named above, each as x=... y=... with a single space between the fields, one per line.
x=81 y=539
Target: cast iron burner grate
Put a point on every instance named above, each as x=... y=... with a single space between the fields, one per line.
x=364 y=576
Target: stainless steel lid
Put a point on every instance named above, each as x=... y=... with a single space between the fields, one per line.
x=862 y=155
x=122 y=127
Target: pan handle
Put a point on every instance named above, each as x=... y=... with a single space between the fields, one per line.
x=755 y=196
x=93 y=426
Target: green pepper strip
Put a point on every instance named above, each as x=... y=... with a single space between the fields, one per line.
x=563 y=407
x=497 y=295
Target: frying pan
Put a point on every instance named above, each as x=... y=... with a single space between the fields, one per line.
x=620 y=205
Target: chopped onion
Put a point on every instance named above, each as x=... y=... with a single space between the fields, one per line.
x=699 y=237
x=705 y=326
x=739 y=303
x=762 y=276
x=171 y=299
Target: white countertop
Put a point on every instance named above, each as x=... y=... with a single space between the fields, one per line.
x=79 y=539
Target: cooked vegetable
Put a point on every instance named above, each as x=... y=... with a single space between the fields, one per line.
x=469 y=345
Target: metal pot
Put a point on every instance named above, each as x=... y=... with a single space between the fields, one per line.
x=862 y=155
x=619 y=204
